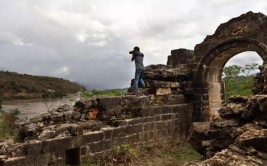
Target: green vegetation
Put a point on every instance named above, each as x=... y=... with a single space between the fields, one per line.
x=23 y=86
x=112 y=92
x=237 y=84
x=160 y=154
x=7 y=124
x=240 y=85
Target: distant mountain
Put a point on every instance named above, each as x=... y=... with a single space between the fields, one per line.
x=23 y=86
x=91 y=86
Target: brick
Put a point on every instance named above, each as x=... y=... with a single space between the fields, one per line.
x=165 y=117
x=129 y=130
x=85 y=151
x=148 y=112
x=40 y=160
x=156 y=118
x=107 y=144
x=148 y=126
x=97 y=136
x=149 y=119
x=138 y=128
x=96 y=147
x=108 y=132
x=86 y=138
x=34 y=148
x=119 y=132
x=135 y=121
x=134 y=138
x=158 y=110
x=50 y=146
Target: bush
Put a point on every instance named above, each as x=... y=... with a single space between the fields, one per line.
x=7 y=124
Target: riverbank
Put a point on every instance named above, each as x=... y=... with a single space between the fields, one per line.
x=33 y=107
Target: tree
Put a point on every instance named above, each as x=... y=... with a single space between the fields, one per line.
x=237 y=80
x=231 y=71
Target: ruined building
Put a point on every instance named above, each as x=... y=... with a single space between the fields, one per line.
x=188 y=89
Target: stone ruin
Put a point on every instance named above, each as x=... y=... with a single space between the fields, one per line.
x=95 y=126
x=188 y=89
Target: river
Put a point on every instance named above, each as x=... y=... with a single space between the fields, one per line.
x=30 y=108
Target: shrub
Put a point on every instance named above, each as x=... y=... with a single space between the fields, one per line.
x=7 y=124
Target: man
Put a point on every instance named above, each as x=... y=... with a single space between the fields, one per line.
x=138 y=57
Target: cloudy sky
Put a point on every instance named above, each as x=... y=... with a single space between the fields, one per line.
x=88 y=41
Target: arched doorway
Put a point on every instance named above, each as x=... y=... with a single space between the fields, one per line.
x=209 y=70
x=239 y=74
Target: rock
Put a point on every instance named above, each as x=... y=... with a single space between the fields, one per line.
x=163 y=91
x=197 y=134
x=238 y=99
x=48 y=133
x=76 y=115
x=232 y=110
x=253 y=138
x=64 y=108
x=28 y=130
x=57 y=117
x=76 y=130
x=167 y=73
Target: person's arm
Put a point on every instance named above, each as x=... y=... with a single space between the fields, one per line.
x=132 y=58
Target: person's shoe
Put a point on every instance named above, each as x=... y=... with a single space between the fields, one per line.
x=132 y=93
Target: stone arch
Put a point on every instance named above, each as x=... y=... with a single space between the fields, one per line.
x=248 y=32
x=209 y=70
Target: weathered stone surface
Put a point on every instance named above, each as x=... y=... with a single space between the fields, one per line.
x=163 y=91
x=242 y=132
x=197 y=134
x=167 y=73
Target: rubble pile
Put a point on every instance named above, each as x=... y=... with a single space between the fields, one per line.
x=84 y=116
x=238 y=138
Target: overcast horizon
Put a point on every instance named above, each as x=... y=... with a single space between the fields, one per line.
x=88 y=41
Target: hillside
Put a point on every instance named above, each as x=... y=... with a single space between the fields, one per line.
x=24 y=86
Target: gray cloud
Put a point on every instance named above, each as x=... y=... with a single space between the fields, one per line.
x=89 y=41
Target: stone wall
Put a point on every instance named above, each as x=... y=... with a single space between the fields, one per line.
x=180 y=56
x=104 y=123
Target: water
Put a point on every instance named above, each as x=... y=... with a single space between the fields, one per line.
x=30 y=108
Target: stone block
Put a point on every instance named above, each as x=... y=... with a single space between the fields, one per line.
x=148 y=126
x=49 y=146
x=34 y=148
x=40 y=160
x=96 y=147
x=165 y=117
x=174 y=84
x=138 y=128
x=97 y=136
x=147 y=112
x=119 y=132
x=108 y=133
x=163 y=91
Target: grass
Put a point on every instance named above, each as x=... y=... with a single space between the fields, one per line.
x=7 y=124
x=159 y=154
x=113 y=92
